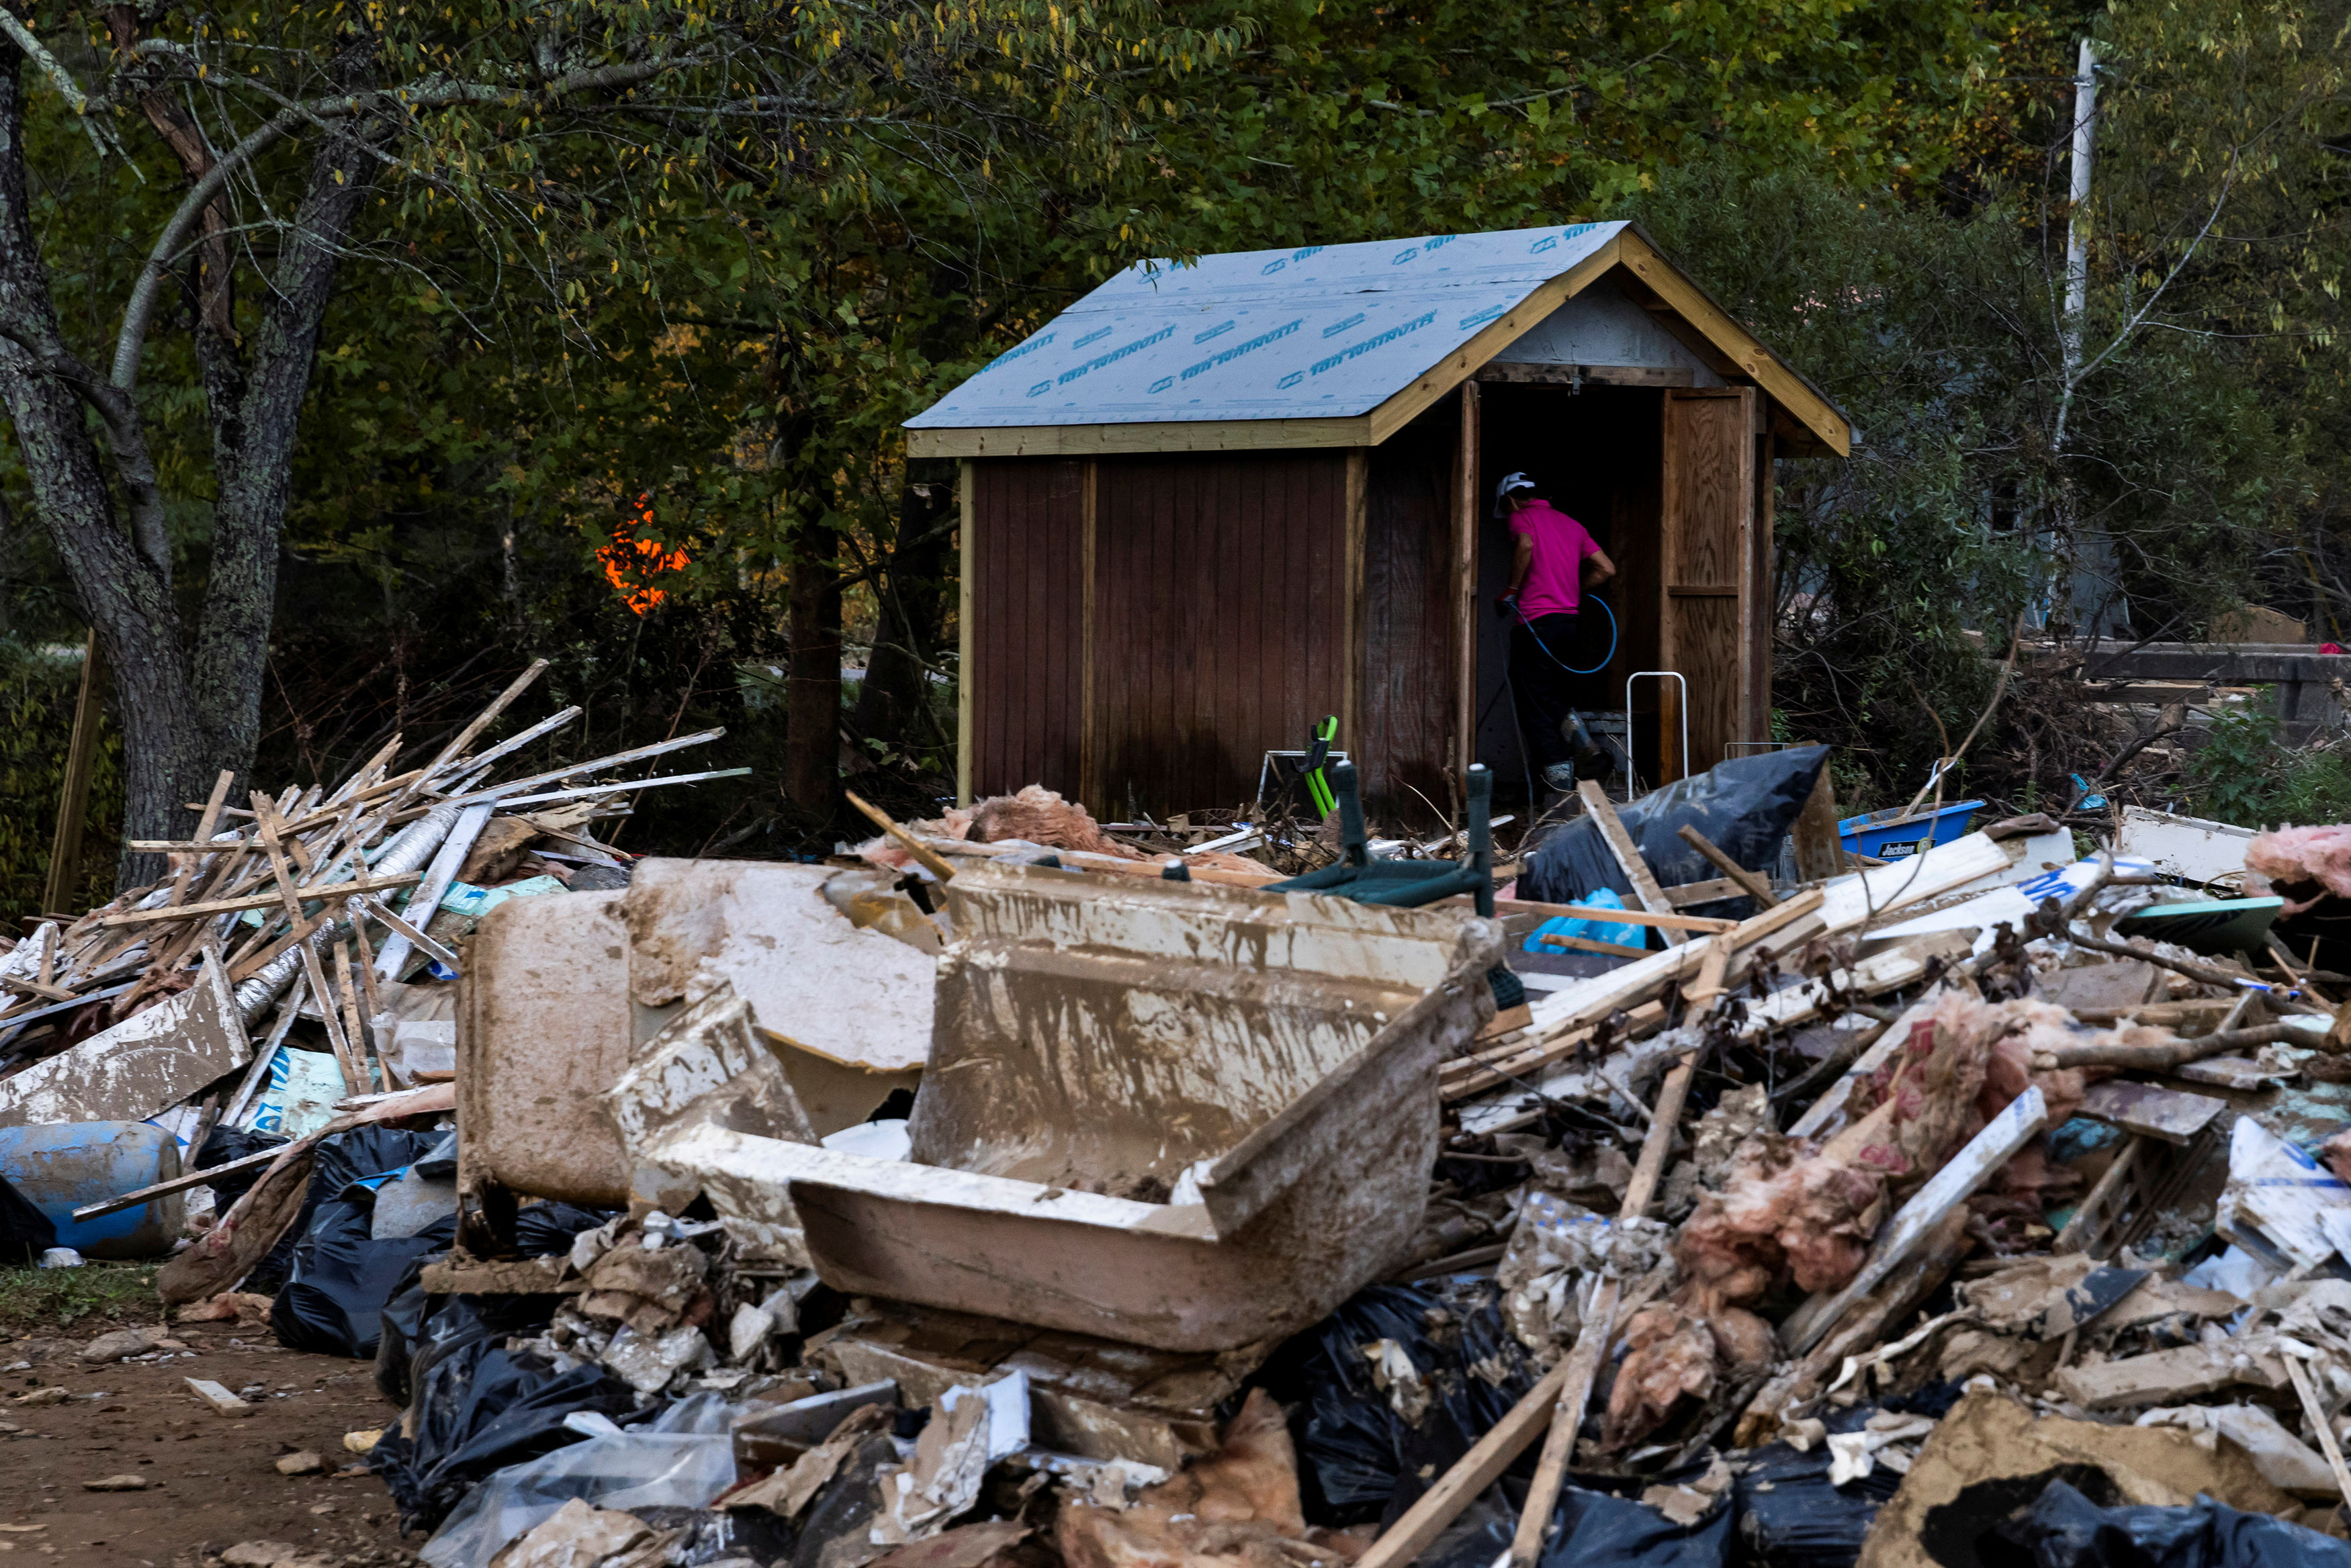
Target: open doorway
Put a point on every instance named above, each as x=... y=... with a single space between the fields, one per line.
x=1596 y=455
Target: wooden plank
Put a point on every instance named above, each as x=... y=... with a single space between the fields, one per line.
x=73 y=790
x=2322 y=1421
x=2018 y=1123
x=1753 y=886
x=329 y=890
x=1758 y=603
x=252 y=964
x=1593 y=945
x=966 y=671
x=2174 y=1116
x=1712 y=892
x=1702 y=991
x=1355 y=669
x=2098 y=1222
x=1466 y=1075
x=1200 y=436
x=1646 y=894
x=1419 y=1526
x=1663 y=919
x=1468 y=457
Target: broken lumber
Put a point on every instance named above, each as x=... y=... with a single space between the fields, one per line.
x=1755 y=886
x=1646 y=894
x=331 y=891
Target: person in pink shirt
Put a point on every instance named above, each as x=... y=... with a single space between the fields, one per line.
x=1556 y=562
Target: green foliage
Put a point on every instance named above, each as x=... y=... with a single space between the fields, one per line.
x=38 y=686
x=2244 y=773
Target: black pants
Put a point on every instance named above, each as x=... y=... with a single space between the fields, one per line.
x=1541 y=687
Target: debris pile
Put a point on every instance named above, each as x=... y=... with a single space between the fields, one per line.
x=1012 y=1192
x=174 y=1064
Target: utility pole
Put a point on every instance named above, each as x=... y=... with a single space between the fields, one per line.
x=2077 y=236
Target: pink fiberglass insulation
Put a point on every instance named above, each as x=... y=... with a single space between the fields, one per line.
x=2303 y=864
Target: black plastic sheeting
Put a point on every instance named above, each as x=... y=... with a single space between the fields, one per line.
x=1744 y=806
x=24 y=1231
x=337 y=1278
x=1595 y=1528
x=1789 y=1515
x=1358 y=1460
x=2063 y=1529
x=480 y=1408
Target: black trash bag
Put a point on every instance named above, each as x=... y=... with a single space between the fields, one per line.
x=1358 y=1460
x=228 y=1143
x=24 y=1231
x=1595 y=1528
x=338 y=1277
x=480 y=1408
x=361 y=1154
x=333 y=1299
x=417 y=1329
x=1789 y=1515
x=1745 y=806
x=2063 y=1529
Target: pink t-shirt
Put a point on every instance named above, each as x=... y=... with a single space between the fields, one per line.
x=1554 y=584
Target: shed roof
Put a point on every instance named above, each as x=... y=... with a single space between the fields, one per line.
x=1321 y=346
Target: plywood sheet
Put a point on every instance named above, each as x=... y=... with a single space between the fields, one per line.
x=145 y=1064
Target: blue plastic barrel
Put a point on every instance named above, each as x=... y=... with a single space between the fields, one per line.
x=59 y=1168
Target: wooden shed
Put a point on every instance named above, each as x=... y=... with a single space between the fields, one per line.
x=1209 y=503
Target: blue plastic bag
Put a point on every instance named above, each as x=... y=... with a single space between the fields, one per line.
x=1590 y=930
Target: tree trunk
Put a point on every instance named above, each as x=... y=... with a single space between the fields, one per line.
x=126 y=596
x=255 y=434
x=909 y=593
x=812 y=702
x=186 y=712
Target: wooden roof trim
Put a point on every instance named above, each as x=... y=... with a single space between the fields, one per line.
x=1769 y=371
x=1109 y=441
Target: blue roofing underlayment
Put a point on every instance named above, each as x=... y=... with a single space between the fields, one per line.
x=1325 y=331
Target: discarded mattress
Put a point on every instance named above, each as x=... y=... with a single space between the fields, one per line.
x=1177 y=1115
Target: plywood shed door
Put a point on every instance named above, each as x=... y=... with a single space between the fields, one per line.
x=1711 y=602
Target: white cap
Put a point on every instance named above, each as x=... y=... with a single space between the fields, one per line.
x=1511 y=482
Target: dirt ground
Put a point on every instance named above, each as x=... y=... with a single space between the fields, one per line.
x=210 y=1481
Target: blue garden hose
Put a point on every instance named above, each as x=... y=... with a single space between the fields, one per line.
x=1554 y=657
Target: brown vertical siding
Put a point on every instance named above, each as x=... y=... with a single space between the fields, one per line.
x=1409 y=700
x=1027 y=606
x=1220 y=617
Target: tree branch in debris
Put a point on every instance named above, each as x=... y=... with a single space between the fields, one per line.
x=2158 y=1058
